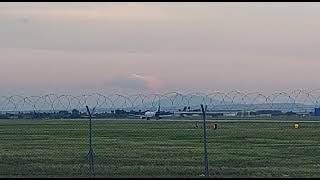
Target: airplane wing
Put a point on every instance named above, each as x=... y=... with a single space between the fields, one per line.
x=188 y=112
x=136 y=115
x=169 y=115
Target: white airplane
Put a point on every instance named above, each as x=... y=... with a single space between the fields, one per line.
x=152 y=114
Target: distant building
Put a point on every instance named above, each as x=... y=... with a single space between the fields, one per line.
x=317 y=111
x=304 y=114
x=230 y=114
x=264 y=115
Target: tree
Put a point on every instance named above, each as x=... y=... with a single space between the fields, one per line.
x=75 y=113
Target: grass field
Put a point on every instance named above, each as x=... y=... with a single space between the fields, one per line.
x=134 y=148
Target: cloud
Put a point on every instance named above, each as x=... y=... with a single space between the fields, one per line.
x=108 y=11
x=136 y=82
x=127 y=83
x=151 y=82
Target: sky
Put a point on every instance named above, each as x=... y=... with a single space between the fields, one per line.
x=109 y=47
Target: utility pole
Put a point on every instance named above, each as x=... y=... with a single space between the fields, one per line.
x=206 y=169
x=90 y=153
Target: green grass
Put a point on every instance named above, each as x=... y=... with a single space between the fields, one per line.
x=134 y=148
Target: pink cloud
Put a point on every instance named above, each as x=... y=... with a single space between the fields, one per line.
x=152 y=82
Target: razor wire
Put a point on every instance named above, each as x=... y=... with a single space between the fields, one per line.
x=295 y=101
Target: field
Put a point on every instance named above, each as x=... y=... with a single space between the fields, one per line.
x=136 y=148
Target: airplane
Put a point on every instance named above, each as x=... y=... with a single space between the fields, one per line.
x=150 y=114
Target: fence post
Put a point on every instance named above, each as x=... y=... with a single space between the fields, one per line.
x=206 y=169
x=90 y=153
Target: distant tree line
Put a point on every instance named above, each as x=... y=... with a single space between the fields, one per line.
x=120 y=113
x=74 y=114
x=277 y=113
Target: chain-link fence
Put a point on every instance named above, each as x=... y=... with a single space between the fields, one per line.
x=136 y=148
x=242 y=144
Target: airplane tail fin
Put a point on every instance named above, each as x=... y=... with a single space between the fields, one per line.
x=185 y=108
x=158 y=112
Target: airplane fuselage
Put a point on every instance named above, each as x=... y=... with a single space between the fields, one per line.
x=148 y=115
